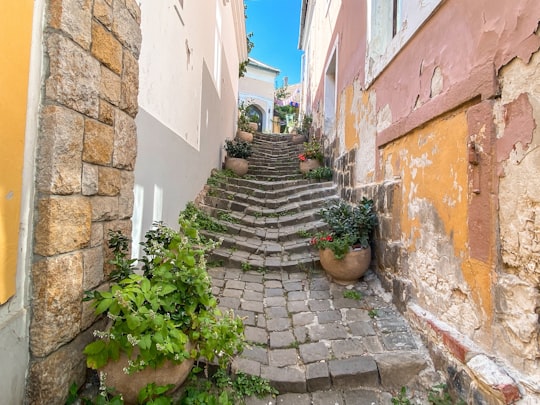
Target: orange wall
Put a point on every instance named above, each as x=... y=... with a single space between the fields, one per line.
x=15 y=38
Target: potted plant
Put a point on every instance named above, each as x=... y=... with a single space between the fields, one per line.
x=163 y=318
x=344 y=250
x=312 y=156
x=237 y=153
x=254 y=122
x=245 y=129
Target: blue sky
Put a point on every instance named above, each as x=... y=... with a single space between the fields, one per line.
x=275 y=24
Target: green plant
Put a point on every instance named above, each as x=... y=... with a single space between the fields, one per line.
x=154 y=394
x=373 y=313
x=200 y=219
x=350 y=226
x=238 y=149
x=244 y=119
x=246 y=266
x=307 y=121
x=312 y=150
x=320 y=173
x=168 y=312
x=438 y=395
x=352 y=294
x=303 y=233
x=119 y=244
x=401 y=398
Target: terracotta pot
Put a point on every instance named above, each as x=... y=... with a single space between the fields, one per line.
x=237 y=165
x=244 y=136
x=298 y=139
x=254 y=126
x=129 y=385
x=347 y=270
x=308 y=165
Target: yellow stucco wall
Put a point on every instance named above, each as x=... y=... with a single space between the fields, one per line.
x=15 y=38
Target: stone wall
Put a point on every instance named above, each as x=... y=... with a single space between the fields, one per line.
x=86 y=152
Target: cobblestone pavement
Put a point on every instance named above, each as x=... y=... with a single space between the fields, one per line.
x=319 y=342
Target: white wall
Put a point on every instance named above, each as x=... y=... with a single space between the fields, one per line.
x=187 y=102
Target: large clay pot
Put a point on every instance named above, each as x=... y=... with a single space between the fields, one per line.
x=129 y=385
x=254 y=126
x=244 y=136
x=237 y=165
x=308 y=165
x=297 y=139
x=347 y=270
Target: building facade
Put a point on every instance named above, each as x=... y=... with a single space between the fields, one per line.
x=78 y=163
x=256 y=92
x=432 y=108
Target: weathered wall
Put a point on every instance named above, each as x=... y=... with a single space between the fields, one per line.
x=86 y=150
x=452 y=121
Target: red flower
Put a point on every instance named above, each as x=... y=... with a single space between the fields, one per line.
x=302 y=157
x=329 y=238
x=314 y=241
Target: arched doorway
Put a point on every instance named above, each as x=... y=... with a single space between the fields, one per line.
x=255 y=115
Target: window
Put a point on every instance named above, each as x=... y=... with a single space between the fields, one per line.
x=390 y=25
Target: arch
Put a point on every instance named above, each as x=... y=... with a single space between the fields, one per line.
x=254 y=110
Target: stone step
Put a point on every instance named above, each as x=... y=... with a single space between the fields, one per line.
x=294 y=262
x=287 y=190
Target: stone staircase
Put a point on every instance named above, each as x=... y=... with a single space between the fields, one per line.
x=317 y=342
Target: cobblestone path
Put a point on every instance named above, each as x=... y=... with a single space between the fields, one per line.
x=316 y=341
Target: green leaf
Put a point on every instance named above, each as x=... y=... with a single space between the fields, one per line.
x=94 y=347
x=133 y=322
x=103 y=306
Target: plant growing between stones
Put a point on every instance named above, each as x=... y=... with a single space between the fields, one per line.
x=352 y=294
x=320 y=173
x=246 y=266
x=373 y=313
x=168 y=312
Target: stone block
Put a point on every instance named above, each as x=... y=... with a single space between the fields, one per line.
x=362 y=329
x=276 y=312
x=282 y=357
x=103 y=12
x=328 y=398
x=274 y=292
x=57 y=296
x=312 y=352
x=354 y=372
x=327 y=331
x=399 y=341
x=130 y=85
x=281 y=339
x=255 y=287
x=297 y=306
x=106 y=112
x=126 y=28
x=252 y=295
x=59 y=166
x=303 y=318
x=319 y=305
x=106 y=48
x=96 y=234
x=247 y=366
x=317 y=377
x=300 y=334
x=285 y=379
x=363 y=397
x=92 y=267
x=278 y=324
x=397 y=369
x=98 y=143
x=134 y=10
x=256 y=335
x=346 y=348
x=110 y=86
x=329 y=316
x=258 y=354
x=74 y=17
x=49 y=378
x=89 y=179
x=109 y=180
x=254 y=306
x=126 y=199
x=104 y=208
x=274 y=302
x=74 y=76
x=63 y=225
x=125 y=141
x=293 y=399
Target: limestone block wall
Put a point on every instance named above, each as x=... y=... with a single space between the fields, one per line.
x=86 y=152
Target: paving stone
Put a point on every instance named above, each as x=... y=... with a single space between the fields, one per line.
x=281 y=339
x=276 y=312
x=327 y=398
x=372 y=344
x=327 y=331
x=293 y=285
x=274 y=292
x=355 y=314
x=278 y=324
x=354 y=372
x=340 y=303
x=272 y=284
x=362 y=329
x=253 y=400
x=248 y=317
x=232 y=274
x=261 y=321
x=216 y=282
x=272 y=276
x=216 y=273
x=319 y=284
x=319 y=295
x=297 y=295
x=397 y=369
x=312 y=352
x=328 y=316
x=256 y=335
x=252 y=295
x=247 y=366
x=293 y=399
x=255 y=306
x=215 y=291
x=229 y=302
x=256 y=353
x=254 y=287
x=319 y=305
x=317 y=377
x=303 y=318
x=297 y=306
x=300 y=333
x=399 y=341
x=275 y=302
x=235 y=284
x=346 y=348
x=285 y=379
x=282 y=357
x=232 y=293
x=362 y=397
x=252 y=278
x=297 y=276
x=390 y=325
